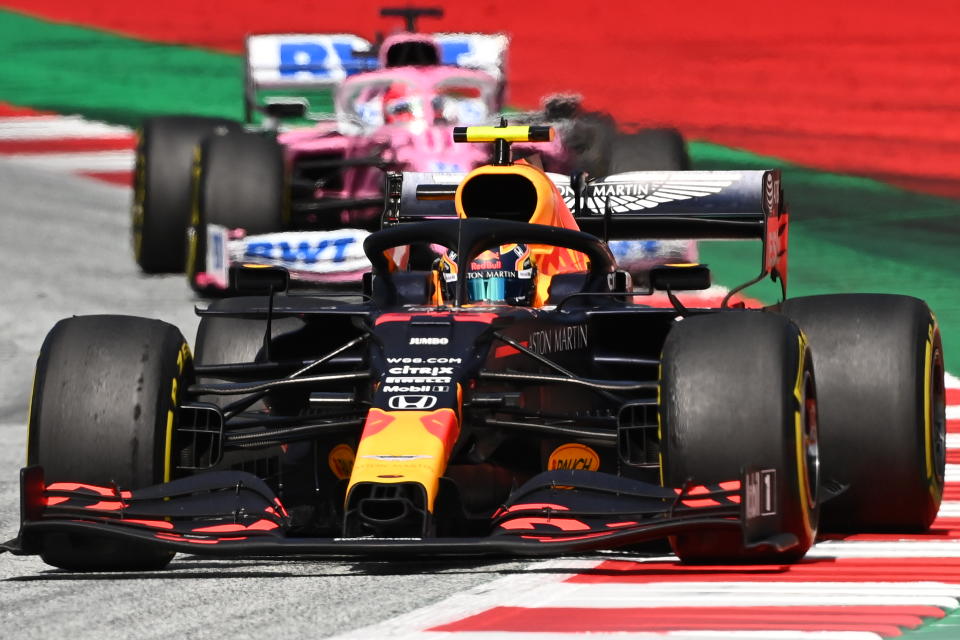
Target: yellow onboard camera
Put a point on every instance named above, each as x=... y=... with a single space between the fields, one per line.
x=502 y=136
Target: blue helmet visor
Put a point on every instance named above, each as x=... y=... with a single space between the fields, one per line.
x=486 y=289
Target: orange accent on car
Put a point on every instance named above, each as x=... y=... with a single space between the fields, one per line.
x=444 y=425
x=377 y=421
x=574 y=456
x=485 y=318
x=545 y=505
x=341 y=460
x=412 y=446
x=73 y=486
x=156 y=524
x=259 y=525
x=564 y=524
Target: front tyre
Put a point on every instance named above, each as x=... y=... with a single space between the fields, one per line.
x=103 y=411
x=738 y=391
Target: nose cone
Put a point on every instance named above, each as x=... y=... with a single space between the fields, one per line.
x=396 y=476
x=413 y=426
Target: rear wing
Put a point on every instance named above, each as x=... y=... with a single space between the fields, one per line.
x=304 y=64
x=676 y=204
x=479 y=51
x=640 y=205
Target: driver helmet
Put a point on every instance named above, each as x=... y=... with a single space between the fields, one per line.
x=504 y=275
x=400 y=104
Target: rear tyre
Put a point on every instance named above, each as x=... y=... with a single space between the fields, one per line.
x=104 y=402
x=161 y=187
x=649 y=150
x=737 y=389
x=588 y=138
x=239 y=183
x=224 y=340
x=882 y=407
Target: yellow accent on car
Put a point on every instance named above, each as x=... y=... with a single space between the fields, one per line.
x=510 y=134
x=341 y=460
x=404 y=450
x=574 y=456
x=548 y=199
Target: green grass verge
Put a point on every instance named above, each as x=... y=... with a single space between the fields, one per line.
x=108 y=77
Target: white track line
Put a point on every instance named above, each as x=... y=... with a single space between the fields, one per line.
x=628 y=635
x=951 y=381
x=949 y=509
x=77 y=162
x=53 y=127
x=737 y=594
x=892 y=549
x=473 y=601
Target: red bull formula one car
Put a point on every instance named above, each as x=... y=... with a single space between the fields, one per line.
x=518 y=398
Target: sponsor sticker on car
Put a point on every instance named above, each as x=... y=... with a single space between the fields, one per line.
x=218 y=256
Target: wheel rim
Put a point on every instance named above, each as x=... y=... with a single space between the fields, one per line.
x=139 y=200
x=938 y=419
x=811 y=446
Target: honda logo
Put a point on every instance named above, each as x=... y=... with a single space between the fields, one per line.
x=421 y=403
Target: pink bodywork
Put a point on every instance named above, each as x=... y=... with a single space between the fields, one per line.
x=422 y=143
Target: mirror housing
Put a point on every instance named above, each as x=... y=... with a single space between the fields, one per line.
x=286 y=108
x=258 y=279
x=680 y=277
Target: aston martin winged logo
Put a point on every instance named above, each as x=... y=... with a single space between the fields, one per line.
x=631 y=192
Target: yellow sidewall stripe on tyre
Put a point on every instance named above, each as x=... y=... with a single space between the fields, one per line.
x=193 y=232
x=33 y=391
x=183 y=357
x=932 y=484
x=799 y=436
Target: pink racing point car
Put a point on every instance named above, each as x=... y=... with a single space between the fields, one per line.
x=305 y=197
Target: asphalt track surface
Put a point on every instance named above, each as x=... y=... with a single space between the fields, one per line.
x=66 y=250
